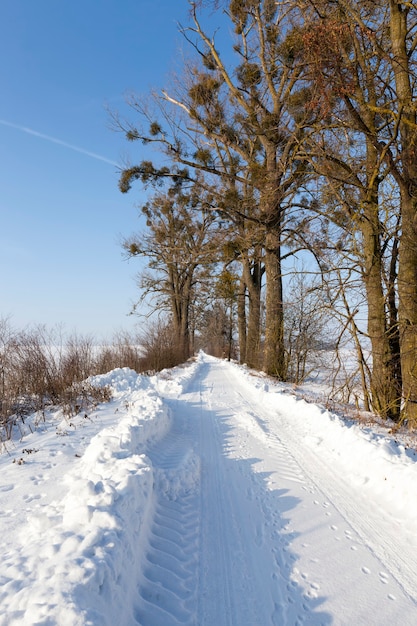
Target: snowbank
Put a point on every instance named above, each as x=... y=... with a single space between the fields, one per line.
x=370 y=458
x=71 y=561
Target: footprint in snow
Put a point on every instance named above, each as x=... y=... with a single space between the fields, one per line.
x=29 y=498
x=38 y=480
x=6 y=487
x=259 y=535
x=383 y=578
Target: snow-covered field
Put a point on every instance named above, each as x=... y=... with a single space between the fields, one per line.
x=207 y=496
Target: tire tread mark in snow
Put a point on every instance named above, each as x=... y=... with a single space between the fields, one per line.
x=167 y=595
x=222 y=580
x=231 y=591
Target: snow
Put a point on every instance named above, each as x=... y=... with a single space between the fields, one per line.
x=205 y=495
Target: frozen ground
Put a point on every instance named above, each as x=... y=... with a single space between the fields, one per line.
x=207 y=496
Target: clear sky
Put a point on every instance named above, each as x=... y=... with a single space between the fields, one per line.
x=62 y=216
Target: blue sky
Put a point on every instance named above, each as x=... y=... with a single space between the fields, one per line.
x=62 y=216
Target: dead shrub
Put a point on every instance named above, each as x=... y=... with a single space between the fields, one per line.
x=160 y=348
x=125 y=351
x=40 y=368
x=83 y=396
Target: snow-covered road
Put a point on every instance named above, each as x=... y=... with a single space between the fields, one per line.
x=272 y=534
x=208 y=496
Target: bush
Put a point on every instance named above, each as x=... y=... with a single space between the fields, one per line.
x=40 y=368
x=160 y=350
x=83 y=396
x=125 y=351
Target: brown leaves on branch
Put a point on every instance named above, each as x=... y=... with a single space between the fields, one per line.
x=328 y=46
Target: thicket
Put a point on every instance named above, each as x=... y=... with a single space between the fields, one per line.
x=41 y=368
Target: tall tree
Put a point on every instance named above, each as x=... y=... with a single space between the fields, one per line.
x=180 y=244
x=348 y=46
x=235 y=124
x=403 y=34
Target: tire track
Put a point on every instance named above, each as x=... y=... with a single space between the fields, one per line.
x=239 y=584
x=168 y=592
x=214 y=540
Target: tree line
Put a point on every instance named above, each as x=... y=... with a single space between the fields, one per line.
x=290 y=134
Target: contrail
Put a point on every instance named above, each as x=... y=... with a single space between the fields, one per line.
x=30 y=131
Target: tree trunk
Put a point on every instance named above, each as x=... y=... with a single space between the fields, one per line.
x=386 y=398
x=241 y=320
x=184 y=338
x=407 y=308
x=393 y=329
x=407 y=265
x=185 y=316
x=253 y=284
x=274 y=354
x=181 y=303
x=384 y=392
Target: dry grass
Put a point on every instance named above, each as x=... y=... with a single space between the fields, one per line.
x=41 y=368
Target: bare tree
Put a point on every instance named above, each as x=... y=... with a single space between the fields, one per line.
x=180 y=244
x=356 y=84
